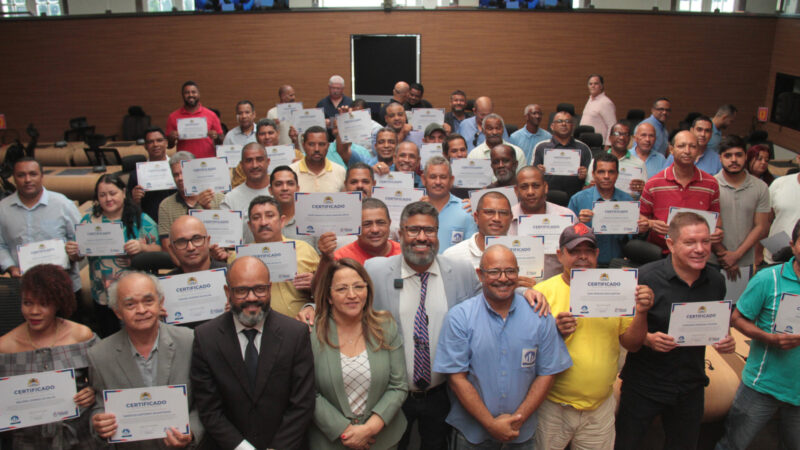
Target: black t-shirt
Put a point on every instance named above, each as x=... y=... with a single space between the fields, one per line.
x=151 y=199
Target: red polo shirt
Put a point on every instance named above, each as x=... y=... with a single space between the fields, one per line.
x=354 y=251
x=201 y=148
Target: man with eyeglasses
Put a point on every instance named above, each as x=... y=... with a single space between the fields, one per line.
x=619 y=138
x=472 y=127
x=659 y=113
x=493 y=216
x=252 y=369
x=189 y=247
x=562 y=126
x=500 y=358
x=155 y=143
x=580 y=405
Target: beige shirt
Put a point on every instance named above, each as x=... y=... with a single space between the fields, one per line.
x=331 y=179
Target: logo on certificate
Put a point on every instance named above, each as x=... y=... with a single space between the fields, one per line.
x=516 y=243
x=603 y=276
x=203 y=164
x=274 y=150
x=148 y=184
x=390 y=176
x=310 y=229
x=98 y=228
x=603 y=227
x=265 y=249
x=701 y=310
x=584 y=309
x=126 y=433
x=398 y=193
x=178 y=315
x=680 y=340
x=41 y=246
x=191 y=281
x=33 y=382
x=563 y=154
x=471 y=163
x=14 y=420
x=622 y=170
x=616 y=205
x=145 y=396
x=328 y=200
x=788 y=329
x=545 y=221
x=528 y=357
x=215 y=216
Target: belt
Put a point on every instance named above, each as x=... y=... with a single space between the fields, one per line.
x=429 y=392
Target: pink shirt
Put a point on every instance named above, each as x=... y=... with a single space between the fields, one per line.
x=201 y=148
x=600 y=113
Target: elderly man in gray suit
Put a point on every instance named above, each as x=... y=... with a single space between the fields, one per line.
x=146 y=352
x=418 y=287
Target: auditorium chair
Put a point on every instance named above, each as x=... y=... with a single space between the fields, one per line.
x=152 y=262
x=580 y=129
x=558 y=197
x=593 y=140
x=637 y=253
x=135 y=124
x=10 y=304
x=79 y=129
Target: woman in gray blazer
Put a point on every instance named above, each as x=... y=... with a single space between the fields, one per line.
x=359 y=365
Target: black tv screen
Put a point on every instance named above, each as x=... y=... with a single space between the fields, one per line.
x=786 y=101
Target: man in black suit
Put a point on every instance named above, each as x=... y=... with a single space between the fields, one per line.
x=252 y=369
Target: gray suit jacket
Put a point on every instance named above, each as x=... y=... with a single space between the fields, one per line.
x=111 y=366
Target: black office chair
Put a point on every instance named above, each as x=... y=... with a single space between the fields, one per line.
x=135 y=124
x=580 y=129
x=558 y=197
x=641 y=252
x=511 y=128
x=10 y=305
x=635 y=116
x=761 y=137
x=98 y=155
x=152 y=262
x=129 y=162
x=593 y=140
x=79 y=129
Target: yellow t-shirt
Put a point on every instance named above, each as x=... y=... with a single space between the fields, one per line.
x=594 y=348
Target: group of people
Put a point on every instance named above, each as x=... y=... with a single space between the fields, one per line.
x=421 y=323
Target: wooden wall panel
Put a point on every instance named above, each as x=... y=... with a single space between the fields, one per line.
x=97 y=67
x=785 y=59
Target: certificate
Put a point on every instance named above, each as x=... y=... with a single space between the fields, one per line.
x=280 y=258
x=710 y=216
x=355 y=126
x=422 y=117
x=395 y=180
x=548 y=225
x=146 y=413
x=307 y=118
x=529 y=251
x=286 y=112
x=319 y=212
x=196 y=296
x=699 y=323
x=224 y=227
x=508 y=191
x=100 y=239
x=50 y=251
x=154 y=175
x=471 y=173
x=206 y=173
x=615 y=217
x=279 y=155
x=192 y=128
x=233 y=154
x=603 y=292
x=396 y=200
x=428 y=151
x=37 y=398
x=788 y=318
x=562 y=161
x=626 y=175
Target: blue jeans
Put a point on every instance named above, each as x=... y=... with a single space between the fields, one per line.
x=751 y=410
x=461 y=443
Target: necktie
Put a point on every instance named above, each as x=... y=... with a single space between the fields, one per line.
x=422 y=351
x=251 y=356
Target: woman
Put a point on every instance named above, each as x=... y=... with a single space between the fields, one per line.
x=359 y=365
x=758 y=163
x=113 y=205
x=47 y=341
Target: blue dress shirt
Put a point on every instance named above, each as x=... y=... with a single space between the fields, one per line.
x=455 y=224
x=526 y=140
x=610 y=245
x=654 y=162
x=709 y=162
x=662 y=135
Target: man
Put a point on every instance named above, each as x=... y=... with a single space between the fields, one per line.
x=406 y=160
x=454 y=146
x=472 y=128
x=531 y=190
x=373 y=240
x=724 y=118
x=266 y=221
x=189 y=246
x=192 y=109
x=34 y=214
x=605 y=170
x=267 y=136
x=245 y=132
x=282 y=187
x=783 y=194
x=155 y=144
x=434 y=134
x=414 y=98
x=315 y=173
x=493 y=217
x=663 y=378
x=396 y=120
x=659 y=113
x=644 y=139
x=345 y=153
x=769 y=379
x=599 y=111
x=531 y=134
x=286 y=94
x=707 y=160
x=254 y=164
x=493 y=128
x=457 y=113
x=179 y=204
x=619 y=138
x=562 y=126
x=580 y=405
x=252 y=369
x=504 y=166
x=497 y=391
x=335 y=98
x=399 y=96
x=360 y=177
x=680 y=184
x=144 y=353
x=743 y=206
x=455 y=224
x=385 y=146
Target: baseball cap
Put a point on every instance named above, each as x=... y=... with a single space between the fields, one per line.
x=433 y=127
x=575 y=234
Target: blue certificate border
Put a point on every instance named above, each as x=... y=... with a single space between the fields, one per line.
x=635 y=277
x=182 y=387
x=76 y=414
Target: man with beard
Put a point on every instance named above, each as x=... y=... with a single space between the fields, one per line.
x=707 y=159
x=192 y=109
x=155 y=143
x=494 y=128
x=254 y=164
x=504 y=166
x=455 y=224
x=744 y=207
x=252 y=369
x=493 y=216
x=265 y=221
x=531 y=134
x=245 y=132
x=562 y=126
x=315 y=173
x=457 y=113
x=724 y=117
x=282 y=187
x=472 y=128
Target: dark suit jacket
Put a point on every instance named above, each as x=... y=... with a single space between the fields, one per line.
x=280 y=409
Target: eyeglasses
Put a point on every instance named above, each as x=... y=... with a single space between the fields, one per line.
x=259 y=290
x=493 y=274
x=197 y=240
x=561 y=121
x=495 y=212
x=414 y=231
x=620 y=133
x=344 y=289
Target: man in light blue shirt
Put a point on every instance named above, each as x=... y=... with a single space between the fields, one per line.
x=708 y=161
x=245 y=133
x=470 y=127
x=526 y=138
x=724 y=117
x=500 y=357
x=455 y=223
x=660 y=112
x=645 y=138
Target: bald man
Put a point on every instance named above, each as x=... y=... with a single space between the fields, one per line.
x=472 y=128
x=189 y=246
x=399 y=95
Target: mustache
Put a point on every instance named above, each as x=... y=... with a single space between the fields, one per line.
x=263 y=228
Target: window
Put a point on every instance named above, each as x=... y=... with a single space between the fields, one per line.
x=159 y=5
x=725 y=6
x=12 y=6
x=690 y=5
x=188 y=5
x=48 y=7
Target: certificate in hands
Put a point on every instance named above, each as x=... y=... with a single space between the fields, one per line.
x=529 y=251
x=395 y=180
x=422 y=117
x=626 y=175
x=788 y=318
x=615 y=217
x=699 y=323
x=100 y=239
x=196 y=296
x=472 y=173
x=354 y=126
x=226 y=228
x=396 y=200
x=233 y=154
x=286 y=112
x=50 y=251
x=279 y=155
x=548 y=225
x=280 y=258
x=206 y=173
x=320 y=212
x=37 y=398
x=562 y=161
x=154 y=175
x=603 y=292
x=192 y=128
x=428 y=151
x=146 y=413
x=307 y=118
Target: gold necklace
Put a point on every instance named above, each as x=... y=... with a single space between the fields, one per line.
x=55 y=336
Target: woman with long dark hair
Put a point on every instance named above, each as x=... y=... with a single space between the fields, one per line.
x=758 y=163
